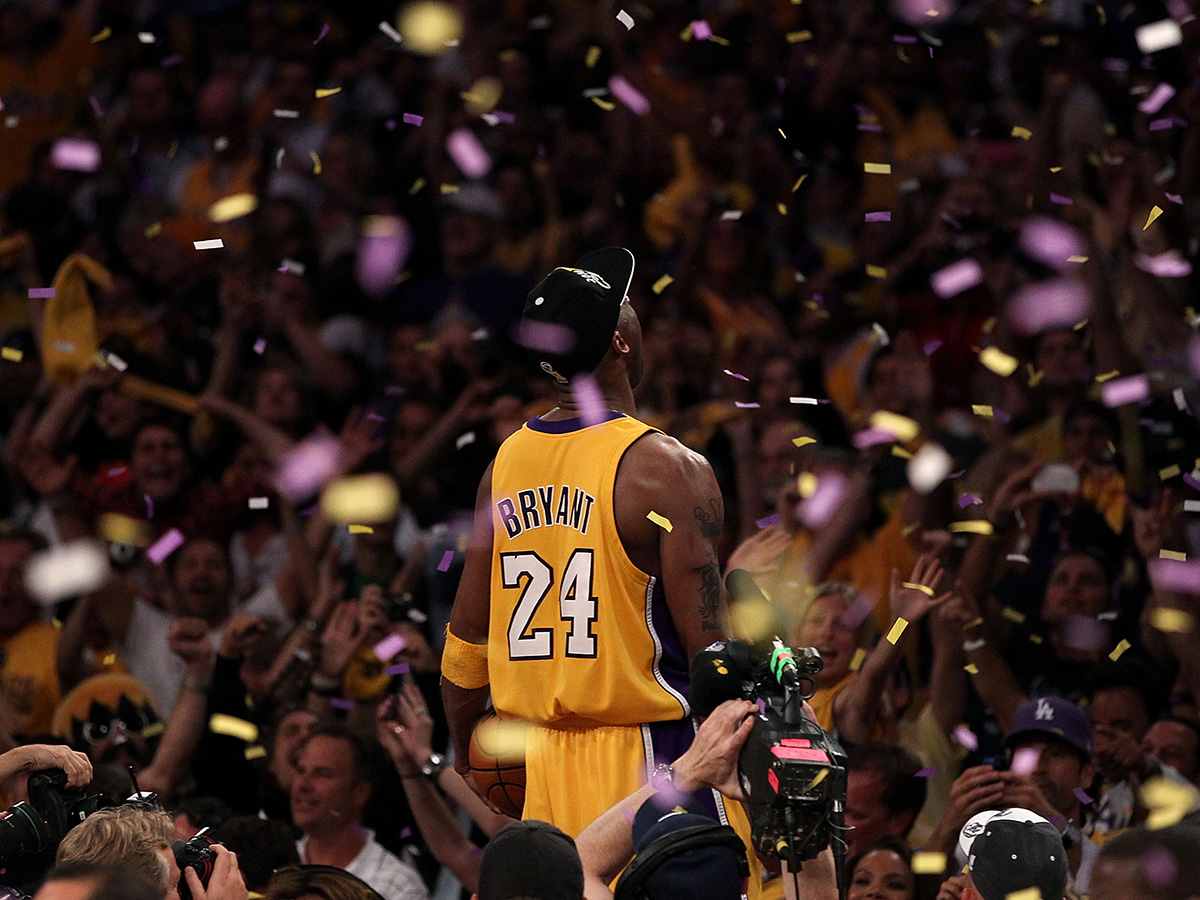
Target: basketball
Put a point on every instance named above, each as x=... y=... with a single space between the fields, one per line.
x=497 y=759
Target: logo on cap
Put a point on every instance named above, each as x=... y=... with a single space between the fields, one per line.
x=588 y=276
x=1044 y=711
x=972 y=829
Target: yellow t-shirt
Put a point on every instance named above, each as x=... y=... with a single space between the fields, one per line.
x=29 y=678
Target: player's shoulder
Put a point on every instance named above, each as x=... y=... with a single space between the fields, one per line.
x=666 y=459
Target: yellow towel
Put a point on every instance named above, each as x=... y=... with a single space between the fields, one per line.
x=69 y=340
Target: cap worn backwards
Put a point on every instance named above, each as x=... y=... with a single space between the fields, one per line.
x=1014 y=850
x=570 y=317
x=530 y=859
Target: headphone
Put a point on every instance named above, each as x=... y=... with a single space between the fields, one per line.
x=630 y=886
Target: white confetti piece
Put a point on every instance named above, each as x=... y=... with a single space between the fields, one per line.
x=386 y=28
x=258 y=502
x=929 y=467
x=66 y=571
x=146 y=37
x=1159 y=36
x=214 y=244
x=464 y=439
x=75 y=155
x=625 y=19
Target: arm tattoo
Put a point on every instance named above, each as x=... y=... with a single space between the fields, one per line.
x=712 y=520
x=710 y=594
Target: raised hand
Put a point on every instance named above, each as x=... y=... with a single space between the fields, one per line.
x=914 y=598
x=44 y=473
x=340 y=640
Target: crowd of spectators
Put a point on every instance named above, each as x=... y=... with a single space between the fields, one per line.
x=915 y=278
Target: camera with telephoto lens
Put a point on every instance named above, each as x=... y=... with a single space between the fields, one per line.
x=53 y=809
x=197 y=854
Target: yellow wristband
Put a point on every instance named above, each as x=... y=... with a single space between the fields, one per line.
x=464 y=664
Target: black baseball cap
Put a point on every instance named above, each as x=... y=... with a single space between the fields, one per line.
x=530 y=859
x=580 y=304
x=685 y=853
x=1012 y=850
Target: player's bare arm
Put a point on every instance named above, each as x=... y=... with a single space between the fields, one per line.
x=469 y=622
x=661 y=476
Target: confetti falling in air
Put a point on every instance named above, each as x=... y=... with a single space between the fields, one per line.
x=447 y=561
x=592 y=408
x=965 y=500
x=661 y=521
x=232 y=726
x=1169 y=264
x=1158 y=36
x=625 y=19
x=1157 y=99
x=322 y=93
x=430 y=27
x=701 y=30
x=412 y=119
x=548 y=337
x=308 y=467
x=1025 y=760
x=360 y=529
x=1021 y=132
x=629 y=95
x=382 y=253
x=1122 y=391
x=901 y=427
x=165 y=546
x=735 y=375
x=1059 y=303
x=361 y=498
x=12 y=354
x=1173 y=621
x=996 y=360
x=103 y=35
x=877 y=168
x=927 y=862
x=816 y=509
x=1155 y=212
x=929 y=467
x=1051 y=242
x=804 y=440
x=923 y=588
x=232 y=207
x=66 y=570
x=972 y=526
x=75 y=155
x=213 y=244
x=389 y=647
x=965 y=737
x=468 y=154
x=41 y=293
x=927 y=772
x=882 y=216
x=1029 y=893
x=897 y=630
x=768 y=521
x=1160 y=867
x=1120 y=649
x=957 y=277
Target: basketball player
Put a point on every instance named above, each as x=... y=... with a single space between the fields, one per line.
x=592 y=577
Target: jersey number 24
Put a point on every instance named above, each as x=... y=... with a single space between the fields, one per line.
x=576 y=605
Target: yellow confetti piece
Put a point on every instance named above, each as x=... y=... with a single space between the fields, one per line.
x=1175 y=621
x=972 y=526
x=1172 y=554
x=12 y=354
x=1077 y=259
x=661 y=521
x=904 y=428
x=606 y=105
x=974 y=623
x=928 y=863
x=221 y=723
x=1154 y=214
x=1056 y=169
x=256 y=752
x=416 y=186
x=1168 y=472
x=361 y=529
x=923 y=588
x=1022 y=133
x=897 y=629
x=860 y=656
x=1013 y=615
x=782 y=209
x=1168 y=801
x=979 y=410
x=877 y=271
x=316 y=162
x=322 y=93
x=1121 y=647
x=998 y=361
x=1048 y=40
x=806 y=484
x=723 y=42
x=57 y=623
x=370 y=498
x=593 y=56
x=232 y=207
x=1029 y=893
x=154 y=729
x=971 y=669
x=1107 y=376
x=900 y=452
x=799 y=181
x=795 y=37
x=154 y=229
x=103 y=35
x=781 y=134
x=661 y=285
x=804 y=441
x=1035 y=639
x=109 y=659
x=124 y=530
x=877 y=168
x=449 y=189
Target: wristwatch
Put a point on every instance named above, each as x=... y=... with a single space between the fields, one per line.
x=432 y=767
x=664 y=774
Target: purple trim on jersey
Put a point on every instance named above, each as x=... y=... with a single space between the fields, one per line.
x=673 y=665
x=566 y=426
x=670 y=741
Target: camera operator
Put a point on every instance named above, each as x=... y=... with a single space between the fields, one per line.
x=607 y=845
x=141 y=838
x=34 y=757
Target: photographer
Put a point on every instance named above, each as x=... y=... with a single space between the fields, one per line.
x=607 y=845
x=34 y=757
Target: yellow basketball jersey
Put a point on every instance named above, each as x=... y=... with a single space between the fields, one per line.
x=576 y=629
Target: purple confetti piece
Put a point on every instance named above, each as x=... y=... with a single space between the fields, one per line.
x=931 y=347
x=1082 y=796
x=548 y=337
x=966 y=500
x=1121 y=391
x=169 y=62
x=1159 y=867
x=592 y=408
x=701 y=30
x=1084 y=633
x=41 y=293
x=260 y=345
x=1025 y=760
x=165 y=546
x=883 y=216
x=1165 y=265
x=74 y=155
x=768 y=521
x=390 y=124
x=1191 y=480
x=956 y=278
x=965 y=737
x=1061 y=200
x=762 y=706
x=405 y=833
x=375 y=417
x=308 y=467
x=735 y=375
x=149 y=506
x=468 y=154
x=413 y=119
x=1157 y=99
x=399 y=669
x=1175 y=575
x=1193 y=351
x=382 y=253
x=342 y=703
x=870 y=437
x=1000 y=415
x=1174 y=198
x=904 y=38
x=816 y=509
x=447 y=561
x=959 y=474
x=96 y=107
x=506 y=117
x=321 y=36
x=389 y=646
x=1162 y=124
x=869 y=126
x=927 y=772
x=1051 y=242
x=629 y=95
x=741 y=405
x=115 y=471
x=1060 y=303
